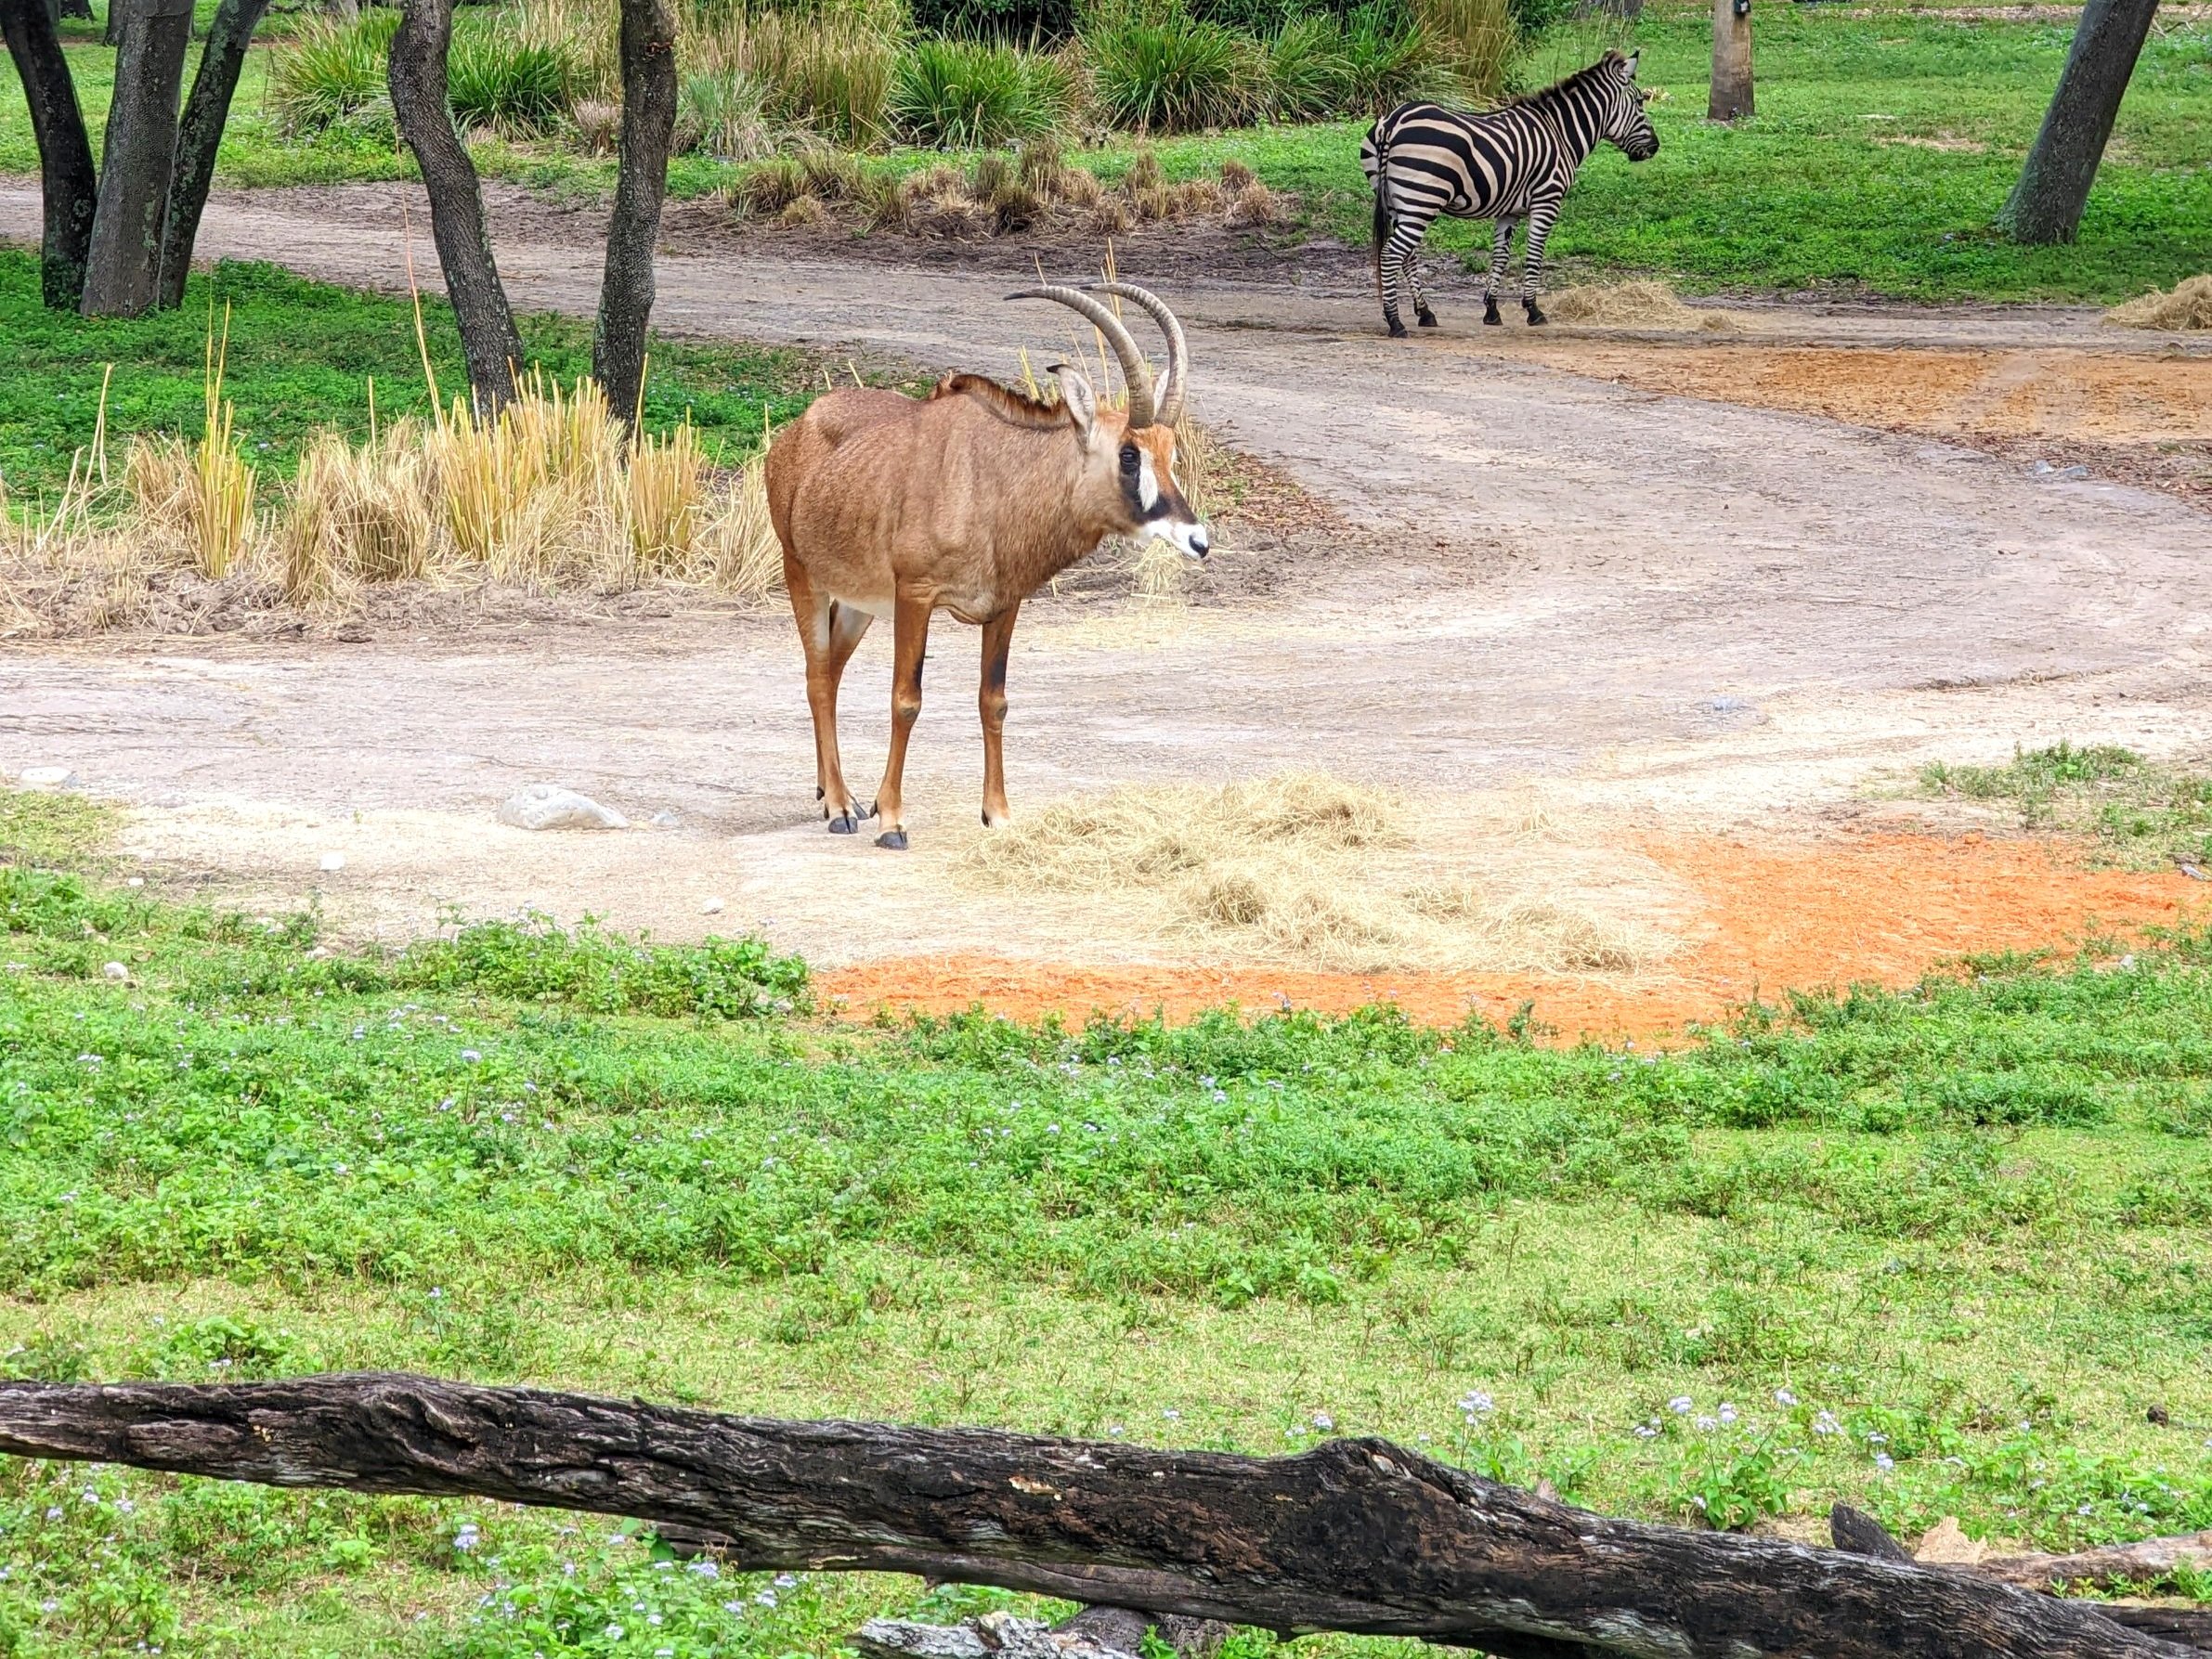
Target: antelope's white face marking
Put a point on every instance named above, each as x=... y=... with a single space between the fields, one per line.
x=1148 y=482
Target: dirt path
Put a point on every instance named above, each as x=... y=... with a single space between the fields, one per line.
x=1658 y=614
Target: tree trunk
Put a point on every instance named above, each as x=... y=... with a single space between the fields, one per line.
x=2054 y=183
x=66 y=181
x=648 y=128
x=123 y=272
x=1356 y=1535
x=1730 y=98
x=418 y=78
x=57 y=9
x=201 y=134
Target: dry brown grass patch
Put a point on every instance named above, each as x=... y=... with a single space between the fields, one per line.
x=1634 y=305
x=2187 y=305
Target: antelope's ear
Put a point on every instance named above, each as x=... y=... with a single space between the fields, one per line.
x=1631 y=62
x=1075 y=395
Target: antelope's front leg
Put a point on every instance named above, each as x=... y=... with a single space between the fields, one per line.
x=998 y=633
x=827 y=632
x=910 y=639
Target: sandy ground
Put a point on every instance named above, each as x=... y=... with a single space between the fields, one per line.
x=1590 y=584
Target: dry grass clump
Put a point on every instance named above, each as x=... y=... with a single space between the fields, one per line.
x=2187 y=305
x=999 y=195
x=1298 y=867
x=1636 y=305
x=551 y=491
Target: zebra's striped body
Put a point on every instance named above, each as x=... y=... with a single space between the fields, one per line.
x=1509 y=164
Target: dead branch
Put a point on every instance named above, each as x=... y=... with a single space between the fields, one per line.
x=1356 y=1535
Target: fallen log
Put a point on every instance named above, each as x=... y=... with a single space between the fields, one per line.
x=2189 y=1626
x=1358 y=1535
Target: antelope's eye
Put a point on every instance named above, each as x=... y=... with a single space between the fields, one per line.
x=1129 y=458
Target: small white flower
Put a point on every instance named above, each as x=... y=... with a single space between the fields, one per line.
x=471 y=1056
x=784 y=1581
x=1172 y=1416
x=1323 y=1421
x=1680 y=1404
x=1784 y=1397
x=1474 y=1402
x=1727 y=1412
x=614 y=1633
x=1825 y=1423
x=765 y=1599
x=1704 y=1424
x=1884 y=1462
x=1647 y=1431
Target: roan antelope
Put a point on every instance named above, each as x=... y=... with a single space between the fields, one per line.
x=968 y=500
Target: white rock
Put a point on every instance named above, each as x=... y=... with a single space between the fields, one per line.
x=712 y=907
x=334 y=861
x=548 y=806
x=115 y=970
x=47 y=777
x=134 y=881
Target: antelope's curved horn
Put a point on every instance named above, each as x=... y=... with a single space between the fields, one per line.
x=1134 y=369
x=1177 y=379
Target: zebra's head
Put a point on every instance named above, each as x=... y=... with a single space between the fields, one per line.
x=1626 y=122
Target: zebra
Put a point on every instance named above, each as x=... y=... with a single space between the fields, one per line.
x=1510 y=163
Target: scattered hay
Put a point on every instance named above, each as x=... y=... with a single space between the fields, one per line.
x=2188 y=305
x=1299 y=868
x=1634 y=305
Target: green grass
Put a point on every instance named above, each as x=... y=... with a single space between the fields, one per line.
x=1806 y=195
x=301 y=355
x=2136 y=811
x=1936 y=1251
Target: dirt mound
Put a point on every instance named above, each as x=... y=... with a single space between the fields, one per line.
x=1634 y=305
x=2188 y=305
x=1298 y=868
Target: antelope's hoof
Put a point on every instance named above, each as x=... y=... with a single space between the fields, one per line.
x=1398 y=331
x=846 y=824
x=1428 y=319
x=1536 y=319
x=892 y=840
x=820 y=792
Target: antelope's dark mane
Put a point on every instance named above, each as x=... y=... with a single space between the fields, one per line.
x=1014 y=408
x=1588 y=72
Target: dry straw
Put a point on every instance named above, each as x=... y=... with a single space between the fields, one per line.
x=2187 y=305
x=1300 y=868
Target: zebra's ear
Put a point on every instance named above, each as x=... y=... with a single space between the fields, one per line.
x=1631 y=62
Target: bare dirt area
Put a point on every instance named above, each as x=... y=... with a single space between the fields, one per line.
x=1631 y=620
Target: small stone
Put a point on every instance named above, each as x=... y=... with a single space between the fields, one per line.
x=47 y=777
x=712 y=907
x=115 y=970
x=134 y=881
x=333 y=862
x=548 y=806
x=664 y=819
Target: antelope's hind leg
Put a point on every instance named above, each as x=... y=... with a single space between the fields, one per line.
x=998 y=633
x=828 y=633
x=910 y=623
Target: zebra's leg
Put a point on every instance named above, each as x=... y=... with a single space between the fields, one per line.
x=1422 y=314
x=1540 y=226
x=1406 y=232
x=1501 y=253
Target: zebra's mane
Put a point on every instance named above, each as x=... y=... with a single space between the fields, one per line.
x=1559 y=88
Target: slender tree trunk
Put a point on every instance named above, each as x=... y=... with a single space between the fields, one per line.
x=122 y=273
x=1730 y=98
x=57 y=9
x=489 y=339
x=1356 y=1535
x=649 y=127
x=201 y=134
x=66 y=181
x=2055 y=183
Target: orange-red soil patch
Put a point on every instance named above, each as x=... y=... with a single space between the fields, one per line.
x=1772 y=917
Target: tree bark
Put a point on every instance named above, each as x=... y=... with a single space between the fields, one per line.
x=122 y=271
x=199 y=135
x=1730 y=98
x=1356 y=1535
x=648 y=128
x=2047 y=203
x=489 y=339
x=68 y=183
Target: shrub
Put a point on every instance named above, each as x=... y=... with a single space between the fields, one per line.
x=1390 y=57
x=1026 y=21
x=522 y=87
x=1473 y=40
x=968 y=94
x=768 y=188
x=723 y=113
x=831 y=72
x=334 y=75
x=1309 y=75
x=1168 y=72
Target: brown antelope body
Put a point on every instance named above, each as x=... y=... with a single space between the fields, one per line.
x=968 y=500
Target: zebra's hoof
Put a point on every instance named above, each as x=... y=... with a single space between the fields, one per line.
x=892 y=840
x=1490 y=320
x=1536 y=319
x=1428 y=319
x=845 y=824
x=1397 y=329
